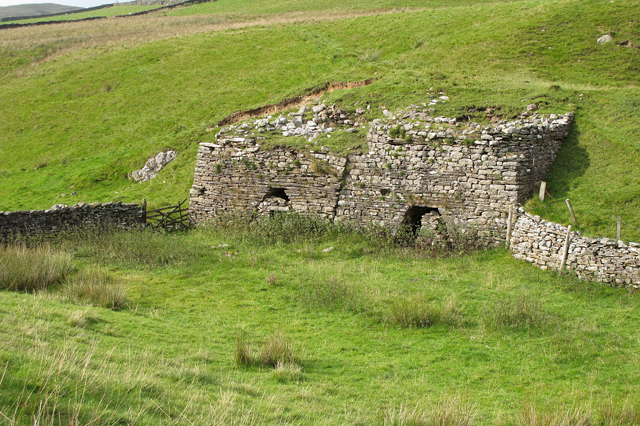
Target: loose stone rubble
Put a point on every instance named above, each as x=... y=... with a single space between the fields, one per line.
x=307 y=122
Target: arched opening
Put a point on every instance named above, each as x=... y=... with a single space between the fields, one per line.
x=275 y=200
x=412 y=221
x=276 y=193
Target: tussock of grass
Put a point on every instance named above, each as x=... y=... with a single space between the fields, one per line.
x=80 y=319
x=243 y=354
x=277 y=349
x=96 y=287
x=563 y=417
x=31 y=269
x=417 y=312
x=332 y=294
x=451 y=412
x=285 y=372
x=524 y=312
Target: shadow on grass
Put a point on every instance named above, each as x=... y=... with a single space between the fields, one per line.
x=572 y=162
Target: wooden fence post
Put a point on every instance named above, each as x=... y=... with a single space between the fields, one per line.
x=543 y=189
x=509 y=227
x=619 y=227
x=573 y=214
x=565 y=250
x=144 y=210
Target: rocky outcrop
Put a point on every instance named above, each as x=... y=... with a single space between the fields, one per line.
x=153 y=166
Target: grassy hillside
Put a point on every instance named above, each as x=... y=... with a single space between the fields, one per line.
x=34 y=9
x=81 y=121
x=376 y=332
x=379 y=334
x=106 y=12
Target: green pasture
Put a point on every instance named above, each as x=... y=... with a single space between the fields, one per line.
x=81 y=122
x=516 y=338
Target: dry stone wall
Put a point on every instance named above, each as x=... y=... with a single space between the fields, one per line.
x=236 y=175
x=599 y=259
x=418 y=169
x=61 y=217
x=469 y=178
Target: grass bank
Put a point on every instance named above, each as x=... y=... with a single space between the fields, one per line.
x=100 y=104
x=507 y=341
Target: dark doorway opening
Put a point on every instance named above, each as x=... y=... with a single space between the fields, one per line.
x=412 y=221
x=276 y=193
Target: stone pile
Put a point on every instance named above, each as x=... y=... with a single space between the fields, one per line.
x=307 y=122
x=62 y=217
x=600 y=259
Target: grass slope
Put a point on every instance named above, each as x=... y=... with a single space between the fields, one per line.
x=106 y=12
x=93 y=115
x=169 y=357
x=34 y=9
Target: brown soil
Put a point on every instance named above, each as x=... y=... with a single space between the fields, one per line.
x=296 y=101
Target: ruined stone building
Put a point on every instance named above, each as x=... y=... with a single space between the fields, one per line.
x=417 y=170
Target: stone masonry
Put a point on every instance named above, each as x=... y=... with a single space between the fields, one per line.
x=416 y=168
x=61 y=217
x=599 y=259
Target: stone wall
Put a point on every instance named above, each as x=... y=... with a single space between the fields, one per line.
x=599 y=259
x=235 y=175
x=414 y=166
x=61 y=217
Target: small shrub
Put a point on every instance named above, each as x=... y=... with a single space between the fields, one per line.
x=519 y=313
x=96 y=287
x=31 y=269
x=398 y=132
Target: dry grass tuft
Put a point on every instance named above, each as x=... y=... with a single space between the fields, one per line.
x=32 y=269
x=287 y=372
x=450 y=412
x=562 y=417
x=96 y=287
x=277 y=349
x=523 y=312
x=243 y=355
x=417 y=312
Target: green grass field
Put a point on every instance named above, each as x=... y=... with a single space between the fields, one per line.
x=510 y=337
x=106 y=12
x=380 y=334
x=82 y=120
